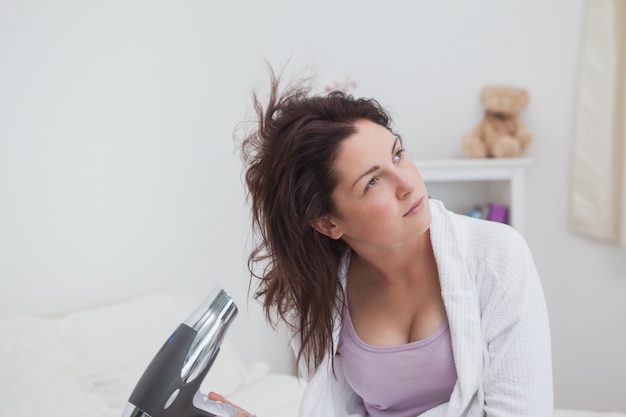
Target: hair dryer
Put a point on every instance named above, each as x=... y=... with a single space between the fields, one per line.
x=170 y=385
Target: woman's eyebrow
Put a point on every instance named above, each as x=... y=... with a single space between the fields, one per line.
x=366 y=173
x=375 y=167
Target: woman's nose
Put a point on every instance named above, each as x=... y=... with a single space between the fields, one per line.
x=404 y=184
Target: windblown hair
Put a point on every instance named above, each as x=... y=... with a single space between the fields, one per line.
x=289 y=170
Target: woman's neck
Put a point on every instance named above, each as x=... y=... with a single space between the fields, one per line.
x=405 y=263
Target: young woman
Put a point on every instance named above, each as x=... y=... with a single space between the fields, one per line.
x=398 y=307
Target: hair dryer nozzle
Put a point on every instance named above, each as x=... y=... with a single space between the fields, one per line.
x=210 y=320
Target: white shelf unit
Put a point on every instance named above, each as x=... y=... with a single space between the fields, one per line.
x=463 y=184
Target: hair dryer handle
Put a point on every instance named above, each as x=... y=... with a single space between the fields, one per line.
x=210 y=408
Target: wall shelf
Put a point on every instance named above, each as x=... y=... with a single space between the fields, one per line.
x=463 y=184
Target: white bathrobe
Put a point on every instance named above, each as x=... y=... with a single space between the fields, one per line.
x=498 y=322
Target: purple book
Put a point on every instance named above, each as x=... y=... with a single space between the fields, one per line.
x=498 y=213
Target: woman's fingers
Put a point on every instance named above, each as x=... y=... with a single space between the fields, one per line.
x=214 y=396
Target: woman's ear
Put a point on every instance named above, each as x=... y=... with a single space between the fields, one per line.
x=327 y=226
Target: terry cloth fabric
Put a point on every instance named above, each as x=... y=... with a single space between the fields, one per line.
x=498 y=323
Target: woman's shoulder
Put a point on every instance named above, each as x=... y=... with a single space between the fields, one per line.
x=479 y=237
x=491 y=230
x=494 y=240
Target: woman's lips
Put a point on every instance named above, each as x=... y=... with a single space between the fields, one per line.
x=415 y=207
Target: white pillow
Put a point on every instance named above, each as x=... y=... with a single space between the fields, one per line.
x=88 y=362
x=117 y=342
x=41 y=375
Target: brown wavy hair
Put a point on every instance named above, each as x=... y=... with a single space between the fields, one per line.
x=289 y=161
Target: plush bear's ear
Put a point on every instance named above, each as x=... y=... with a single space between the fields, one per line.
x=523 y=96
x=486 y=93
x=490 y=98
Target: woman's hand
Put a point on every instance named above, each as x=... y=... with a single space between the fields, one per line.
x=217 y=397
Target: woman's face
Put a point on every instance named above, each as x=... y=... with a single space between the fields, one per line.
x=380 y=198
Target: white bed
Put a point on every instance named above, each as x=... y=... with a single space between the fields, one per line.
x=87 y=363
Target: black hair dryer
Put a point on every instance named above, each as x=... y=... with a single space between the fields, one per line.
x=170 y=385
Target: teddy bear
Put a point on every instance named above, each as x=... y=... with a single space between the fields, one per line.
x=501 y=133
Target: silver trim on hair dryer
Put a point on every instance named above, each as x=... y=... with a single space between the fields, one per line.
x=210 y=321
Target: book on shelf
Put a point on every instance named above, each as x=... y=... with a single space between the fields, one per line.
x=492 y=211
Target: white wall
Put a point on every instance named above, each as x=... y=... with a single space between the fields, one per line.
x=119 y=174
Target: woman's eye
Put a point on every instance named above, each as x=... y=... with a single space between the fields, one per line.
x=398 y=155
x=371 y=183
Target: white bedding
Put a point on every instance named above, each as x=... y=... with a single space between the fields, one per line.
x=87 y=363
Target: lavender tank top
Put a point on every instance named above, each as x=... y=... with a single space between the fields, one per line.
x=399 y=381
